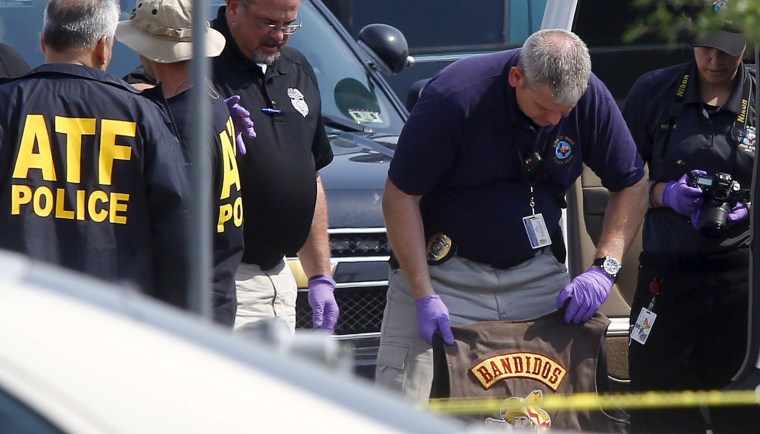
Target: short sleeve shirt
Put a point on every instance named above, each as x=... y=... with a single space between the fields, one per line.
x=460 y=150
x=675 y=136
x=278 y=171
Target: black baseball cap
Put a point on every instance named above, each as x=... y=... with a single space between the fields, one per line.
x=727 y=40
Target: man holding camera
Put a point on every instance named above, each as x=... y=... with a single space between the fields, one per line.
x=694 y=126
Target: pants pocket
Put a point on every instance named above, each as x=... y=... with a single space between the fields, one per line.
x=391 y=361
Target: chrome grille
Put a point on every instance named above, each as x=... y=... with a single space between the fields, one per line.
x=360 y=256
x=361 y=310
x=374 y=242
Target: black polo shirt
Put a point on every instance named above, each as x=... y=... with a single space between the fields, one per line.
x=278 y=172
x=700 y=138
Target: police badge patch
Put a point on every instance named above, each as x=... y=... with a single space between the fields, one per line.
x=298 y=101
x=563 y=150
x=748 y=140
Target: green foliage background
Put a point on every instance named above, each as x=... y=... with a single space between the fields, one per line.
x=674 y=19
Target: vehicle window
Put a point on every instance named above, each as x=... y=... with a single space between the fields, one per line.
x=348 y=91
x=432 y=26
x=15 y=417
x=21 y=25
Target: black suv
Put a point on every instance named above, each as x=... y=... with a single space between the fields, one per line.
x=363 y=117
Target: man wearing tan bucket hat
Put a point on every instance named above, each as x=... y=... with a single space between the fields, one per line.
x=161 y=32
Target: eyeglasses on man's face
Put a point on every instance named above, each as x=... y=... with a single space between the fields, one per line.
x=273 y=28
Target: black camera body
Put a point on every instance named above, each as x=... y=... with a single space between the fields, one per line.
x=721 y=194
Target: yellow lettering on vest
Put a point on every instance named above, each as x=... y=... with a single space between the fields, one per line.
x=231 y=176
x=92 y=206
x=20 y=195
x=60 y=205
x=81 y=195
x=43 y=201
x=110 y=150
x=229 y=212
x=238 y=212
x=35 y=131
x=74 y=129
x=119 y=205
x=519 y=365
x=225 y=215
x=99 y=206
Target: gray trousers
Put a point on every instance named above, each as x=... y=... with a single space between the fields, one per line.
x=472 y=292
x=265 y=294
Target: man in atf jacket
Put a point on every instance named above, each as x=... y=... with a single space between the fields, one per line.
x=93 y=179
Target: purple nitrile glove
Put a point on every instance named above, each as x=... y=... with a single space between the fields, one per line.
x=681 y=198
x=241 y=118
x=433 y=315
x=586 y=293
x=322 y=301
x=738 y=213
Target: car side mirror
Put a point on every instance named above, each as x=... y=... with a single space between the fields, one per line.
x=415 y=91
x=387 y=48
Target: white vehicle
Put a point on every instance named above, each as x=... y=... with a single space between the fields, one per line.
x=81 y=356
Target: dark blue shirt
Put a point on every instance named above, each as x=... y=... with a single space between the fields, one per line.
x=700 y=138
x=459 y=150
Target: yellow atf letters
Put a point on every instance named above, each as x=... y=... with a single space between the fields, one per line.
x=109 y=150
x=35 y=131
x=62 y=202
x=74 y=129
x=230 y=178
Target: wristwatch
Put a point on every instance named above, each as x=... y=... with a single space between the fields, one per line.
x=609 y=265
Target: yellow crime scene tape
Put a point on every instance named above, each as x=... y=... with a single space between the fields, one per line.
x=593 y=401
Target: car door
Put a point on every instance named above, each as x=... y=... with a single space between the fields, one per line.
x=601 y=24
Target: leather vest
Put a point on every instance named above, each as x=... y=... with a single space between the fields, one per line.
x=523 y=362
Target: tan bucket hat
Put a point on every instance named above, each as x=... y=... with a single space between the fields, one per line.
x=161 y=30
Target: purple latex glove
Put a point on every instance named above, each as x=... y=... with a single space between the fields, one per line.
x=241 y=118
x=681 y=198
x=738 y=213
x=585 y=294
x=322 y=301
x=433 y=315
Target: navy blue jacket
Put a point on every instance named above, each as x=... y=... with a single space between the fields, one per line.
x=93 y=179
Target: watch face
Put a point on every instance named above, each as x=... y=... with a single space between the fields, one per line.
x=611 y=266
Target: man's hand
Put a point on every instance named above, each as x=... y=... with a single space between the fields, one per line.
x=681 y=198
x=433 y=315
x=585 y=293
x=241 y=118
x=322 y=301
x=738 y=213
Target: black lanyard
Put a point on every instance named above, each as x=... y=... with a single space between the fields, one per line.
x=533 y=167
x=739 y=127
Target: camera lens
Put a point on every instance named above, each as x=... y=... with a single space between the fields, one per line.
x=713 y=219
